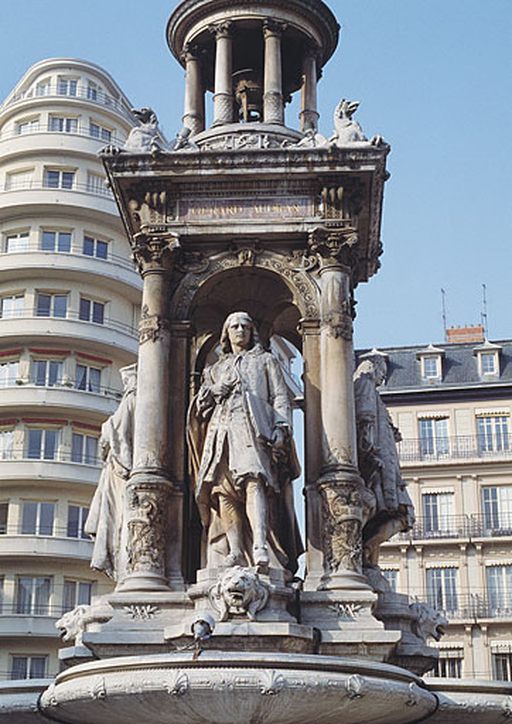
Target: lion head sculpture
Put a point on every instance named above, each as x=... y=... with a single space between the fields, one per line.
x=427 y=622
x=239 y=591
x=72 y=624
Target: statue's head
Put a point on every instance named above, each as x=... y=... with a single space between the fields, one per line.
x=129 y=377
x=238 y=329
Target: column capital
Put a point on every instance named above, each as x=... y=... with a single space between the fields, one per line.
x=190 y=52
x=273 y=27
x=334 y=246
x=308 y=327
x=156 y=253
x=222 y=29
x=312 y=50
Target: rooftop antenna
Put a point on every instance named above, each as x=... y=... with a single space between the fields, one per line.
x=484 y=311
x=443 y=298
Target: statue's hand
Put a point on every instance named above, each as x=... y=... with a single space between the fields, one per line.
x=221 y=390
x=279 y=438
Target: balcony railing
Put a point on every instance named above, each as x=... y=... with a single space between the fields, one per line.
x=44 y=530
x=73 y=316
x=31 y=248
x=10 y=382
x=91 y=188
x=48 y=456
x=113 y=140
x=54 y=91
x=457 y=447
x=471 y=606
x=459 y=526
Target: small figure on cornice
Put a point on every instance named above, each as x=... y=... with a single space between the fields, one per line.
x=348 y=132
x=312 y=139
x=182 y=141
x=146 y=137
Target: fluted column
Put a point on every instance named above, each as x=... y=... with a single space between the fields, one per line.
x=194 y=113
x=149 y=487
x=223 y=101
x=273 y=103
x=309 y=114
x=340 y=485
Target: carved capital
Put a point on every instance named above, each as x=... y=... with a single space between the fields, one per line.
x=221 y=30
x=273 y=27
x=147 y=523
x=334 y=246
x=156 y=253
x=190 y=53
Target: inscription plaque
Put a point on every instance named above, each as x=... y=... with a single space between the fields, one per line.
x=244 y=208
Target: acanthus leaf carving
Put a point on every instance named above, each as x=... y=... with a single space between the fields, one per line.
x=141 y=611
x=146 y=528
x=342 y=526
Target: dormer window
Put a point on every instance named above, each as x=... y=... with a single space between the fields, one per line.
x=488 y=360
x=431 y=364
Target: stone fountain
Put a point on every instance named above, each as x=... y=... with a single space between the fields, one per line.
x=244 y=231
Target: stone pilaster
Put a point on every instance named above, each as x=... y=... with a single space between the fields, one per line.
x=273 y=103
x=223 y=101
x=150 y=486
x=194 y=112
x=309 y=111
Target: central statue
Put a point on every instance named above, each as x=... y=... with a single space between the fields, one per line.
x=243 y=455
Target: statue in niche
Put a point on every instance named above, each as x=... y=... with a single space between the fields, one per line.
x=389 y=508
x=243 y=455
x=106 y=515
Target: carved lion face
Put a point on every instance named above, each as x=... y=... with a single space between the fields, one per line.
x=239 y=591
x=70 y=624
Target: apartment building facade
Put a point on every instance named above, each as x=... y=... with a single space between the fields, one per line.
x=69 y=299
x=453 y=404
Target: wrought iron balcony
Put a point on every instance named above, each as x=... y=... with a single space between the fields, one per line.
x=458 y=526
x=464 y=606
x=456 y=447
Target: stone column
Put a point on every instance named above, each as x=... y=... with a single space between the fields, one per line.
x=193 y=117
x=340 y=485
x=223 y=101
x=273 y=103
x=309 y=114
x=310 y=331
x=149 y=487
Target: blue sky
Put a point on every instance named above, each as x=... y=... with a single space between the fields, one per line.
x=434 y=77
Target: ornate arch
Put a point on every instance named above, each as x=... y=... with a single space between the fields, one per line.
x=305 y=292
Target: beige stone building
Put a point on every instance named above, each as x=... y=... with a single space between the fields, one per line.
x=453 y=403
x=69 y=296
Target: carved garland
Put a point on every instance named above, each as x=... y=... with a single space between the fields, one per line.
x=146 y=528
x=342 y=544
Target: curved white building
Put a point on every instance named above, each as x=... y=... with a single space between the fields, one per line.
x=69 y=298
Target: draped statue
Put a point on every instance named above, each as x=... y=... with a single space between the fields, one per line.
x=106 y=515
x=243 y=455
x=389 y=508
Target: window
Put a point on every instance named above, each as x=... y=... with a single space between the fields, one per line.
x=493 y=433
x=51 y=305
x=67 y=86
x=19 y=180
x=434 y=440
x=9 y=372
x=391 y=576
x=431 y=367
x=37 y=518
x=488 y=363
x=4 y=512
x=97 y=131
x=77 y=515
x=47 y=372
x=33 y=595
x=92 y=91
x=42 y=443
x=56 y=179
x=91 y=311
x=96 y=183
x=448 y=666
x=88 y=378
x=12 y=306
x=502 y=666
x=497 y=506
x=499 y=589
x=27 y=125
x=29 y=667
x=437 y=513
x=17 y=242
x=95 y=247
x=442 y=588
x=43 y=88
x=76 y=593
x=63 y=124
x=6 y=444
x=56 y=241
x=84 y=448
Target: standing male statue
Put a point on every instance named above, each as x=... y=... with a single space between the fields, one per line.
x=243 y=455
